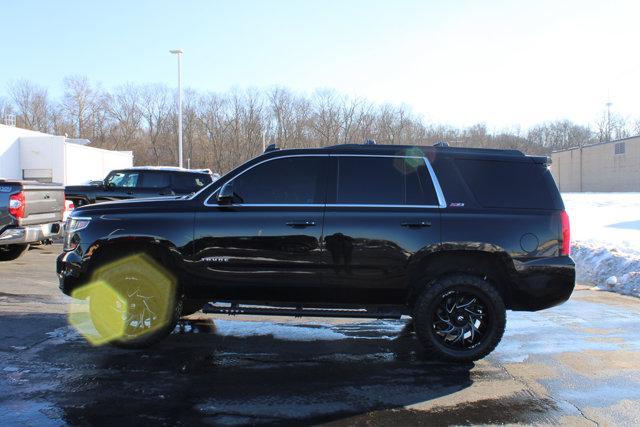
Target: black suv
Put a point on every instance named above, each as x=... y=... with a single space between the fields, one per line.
x=141 y=181
x=449 y=236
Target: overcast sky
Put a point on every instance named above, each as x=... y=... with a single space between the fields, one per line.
x=505 y=63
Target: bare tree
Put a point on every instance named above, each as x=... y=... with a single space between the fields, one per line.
x=559 y=135
x=80 y=103
x=157 y=109
x=124 y=108
x=222 y=130
x=32 y=105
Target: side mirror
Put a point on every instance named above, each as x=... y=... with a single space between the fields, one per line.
x=225 y=195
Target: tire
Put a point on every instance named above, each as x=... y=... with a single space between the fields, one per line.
x=136 y=289
x=459 y=318
x=11 y=252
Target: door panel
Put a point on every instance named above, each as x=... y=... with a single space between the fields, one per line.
x=382 y=217
x=254 y=251
x=266 y=244
x=372 y=251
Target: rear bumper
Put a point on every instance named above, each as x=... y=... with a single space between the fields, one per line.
x=31 y=233
x=542 y=283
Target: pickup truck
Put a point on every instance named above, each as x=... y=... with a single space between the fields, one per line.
x=30 y=212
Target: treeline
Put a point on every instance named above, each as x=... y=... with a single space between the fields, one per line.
x=221 y=130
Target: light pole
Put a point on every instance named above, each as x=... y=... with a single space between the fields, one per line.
x=609 y=104
x=179 y=53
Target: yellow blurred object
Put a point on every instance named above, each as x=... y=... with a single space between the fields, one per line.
x=127 y=300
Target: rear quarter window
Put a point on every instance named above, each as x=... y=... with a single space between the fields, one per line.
x=508 y=184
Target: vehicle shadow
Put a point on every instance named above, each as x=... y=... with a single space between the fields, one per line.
x=198 y=375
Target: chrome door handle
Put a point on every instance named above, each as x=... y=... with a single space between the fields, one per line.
x=301 y=223
x=416 y=224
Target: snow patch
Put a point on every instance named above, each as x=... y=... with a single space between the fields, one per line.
x=605 y=234
x=278 y=331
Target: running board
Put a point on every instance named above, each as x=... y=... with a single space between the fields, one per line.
x=237 y=309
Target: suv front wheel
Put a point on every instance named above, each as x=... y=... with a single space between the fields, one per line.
x=459 y=318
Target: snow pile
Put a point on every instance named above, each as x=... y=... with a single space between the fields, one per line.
x=605 y=234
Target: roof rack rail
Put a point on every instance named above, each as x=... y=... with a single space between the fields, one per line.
x=369 y=142
x=441 y=144
x=271 y=147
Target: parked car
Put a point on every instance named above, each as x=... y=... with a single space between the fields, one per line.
x=30 y=212
x=142 y=181
x=449 y=236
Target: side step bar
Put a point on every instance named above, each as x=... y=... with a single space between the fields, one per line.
x=299 y=311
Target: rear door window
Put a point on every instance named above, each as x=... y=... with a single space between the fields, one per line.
x=379 y=180
x=155 y=180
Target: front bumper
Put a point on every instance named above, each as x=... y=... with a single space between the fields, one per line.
x=70 y=268
x=31 y=233
x=542 y=283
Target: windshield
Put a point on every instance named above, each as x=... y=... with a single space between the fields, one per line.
x=122 y=179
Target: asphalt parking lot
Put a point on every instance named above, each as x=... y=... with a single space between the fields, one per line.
x=576 y=364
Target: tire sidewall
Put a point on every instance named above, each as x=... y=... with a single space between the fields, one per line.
x=434 y=296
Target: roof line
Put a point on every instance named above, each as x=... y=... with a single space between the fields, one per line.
x=596 y=143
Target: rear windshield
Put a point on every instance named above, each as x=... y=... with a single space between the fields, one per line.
x=504 y=184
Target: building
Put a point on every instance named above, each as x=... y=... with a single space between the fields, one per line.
x=606 y=166
x=26 y=154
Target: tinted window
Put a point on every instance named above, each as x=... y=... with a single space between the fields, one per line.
x=123 y=179
x=156 y=180
x=189 y=182
x=507 y=184
x=383 y=181
x=453 y=185
x=289 y=180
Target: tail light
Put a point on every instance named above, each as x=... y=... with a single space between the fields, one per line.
x=68 y=207
x=17 y=205
x=566 y=234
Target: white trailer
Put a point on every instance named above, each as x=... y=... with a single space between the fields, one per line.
x=30 y=155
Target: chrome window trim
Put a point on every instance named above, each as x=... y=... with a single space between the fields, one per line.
x=206 y=202
x=434 y=179
x=442 y=203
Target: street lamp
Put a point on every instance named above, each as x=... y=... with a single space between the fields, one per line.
x=179 y=53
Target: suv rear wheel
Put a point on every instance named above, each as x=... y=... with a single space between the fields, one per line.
x=459 y=318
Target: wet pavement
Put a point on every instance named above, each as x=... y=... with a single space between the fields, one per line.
x=578 y=363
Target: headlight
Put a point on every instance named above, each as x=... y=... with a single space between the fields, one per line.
x=71 y=239
x=75 y=224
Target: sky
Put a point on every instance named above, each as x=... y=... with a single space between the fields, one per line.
x=508 y=64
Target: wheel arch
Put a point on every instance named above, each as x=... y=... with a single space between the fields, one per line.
x=496 y=267
x=163 y=251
